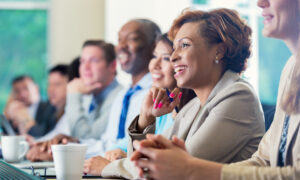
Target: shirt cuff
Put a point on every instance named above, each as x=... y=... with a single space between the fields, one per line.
x=133 y=129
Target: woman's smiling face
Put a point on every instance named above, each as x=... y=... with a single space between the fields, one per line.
x=192 y=59
x=280 y=17
x=160 y=67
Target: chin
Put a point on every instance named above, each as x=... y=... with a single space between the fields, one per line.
x=180 y=84
x=268 y=32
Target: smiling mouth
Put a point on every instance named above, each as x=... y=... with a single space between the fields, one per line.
x=179 y=70
x=123 y=58
x=267 y=19
x=156 y=76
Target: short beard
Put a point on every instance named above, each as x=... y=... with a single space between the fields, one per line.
x=139 y=64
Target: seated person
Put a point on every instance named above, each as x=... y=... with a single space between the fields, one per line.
x=279 y=150
x=162 y=76
x=57 y=92
x=25 y=109
x=224 y=123
x=90 y=97
x=135 y=48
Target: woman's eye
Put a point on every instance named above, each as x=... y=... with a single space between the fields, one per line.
x=184 y=45
x=154 y=57
x=166 y=58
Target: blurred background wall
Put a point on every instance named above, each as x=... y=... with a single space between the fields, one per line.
x=37 y=34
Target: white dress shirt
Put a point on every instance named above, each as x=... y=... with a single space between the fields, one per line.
x=109 y=138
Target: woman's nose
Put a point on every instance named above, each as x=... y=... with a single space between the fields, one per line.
x=174 y=57
x=263 y=3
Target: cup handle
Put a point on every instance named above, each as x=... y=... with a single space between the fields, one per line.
x=26 y=148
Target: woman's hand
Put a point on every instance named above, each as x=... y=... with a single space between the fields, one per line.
x=162 y=158
x=58 y=139
x=159 y=158
x=95 y=165
x=157 y=103
x=115 y=154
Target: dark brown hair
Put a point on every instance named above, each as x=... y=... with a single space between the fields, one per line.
x=220 y=26
x=108 y=48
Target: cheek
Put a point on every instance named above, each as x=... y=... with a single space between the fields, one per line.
x=151 y=66
x=169 y=73
x=80 y=70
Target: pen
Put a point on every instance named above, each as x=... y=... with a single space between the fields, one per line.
x=171 y=100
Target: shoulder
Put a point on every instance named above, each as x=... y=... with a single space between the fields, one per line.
x=238 y=99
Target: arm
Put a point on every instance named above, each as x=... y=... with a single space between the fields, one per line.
x=77 y=118
x=233 y=172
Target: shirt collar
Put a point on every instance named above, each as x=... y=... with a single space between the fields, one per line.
x=100 y=96
x=145 y=82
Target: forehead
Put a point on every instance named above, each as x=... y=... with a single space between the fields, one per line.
x=188 y=30
x=20 y=85
x=92 y=50
x=132 y=27
x=163 y=46
x=56 y=76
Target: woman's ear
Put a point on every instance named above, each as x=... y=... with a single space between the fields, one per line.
x=221 y=49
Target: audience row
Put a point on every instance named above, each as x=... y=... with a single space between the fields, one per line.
x=187 y=86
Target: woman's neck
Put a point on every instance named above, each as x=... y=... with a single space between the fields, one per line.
x=203 y=94
x=204 y=91
x=293 y=43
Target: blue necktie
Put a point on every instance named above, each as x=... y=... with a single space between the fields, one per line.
x=282 y=146
x=126 y=100
x=92 y=105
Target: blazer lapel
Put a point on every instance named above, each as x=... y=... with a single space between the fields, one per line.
x=187 y=119
x=278 y=126
x=227 y=79
x=293 y=126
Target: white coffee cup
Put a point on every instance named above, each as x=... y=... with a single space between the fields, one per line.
x=14 y=148
x=68 y=161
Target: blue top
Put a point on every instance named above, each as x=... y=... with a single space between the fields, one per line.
x=162 y=123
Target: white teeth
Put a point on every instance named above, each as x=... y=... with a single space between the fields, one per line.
x=156 y=76
x=179 y=68
x=122 y=56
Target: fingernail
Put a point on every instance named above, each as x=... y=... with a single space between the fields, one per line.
x=172 y=95
x=155 y=106
x=153 y=100
x=160 y=105
x=180 y=95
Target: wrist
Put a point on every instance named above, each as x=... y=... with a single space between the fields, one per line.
x=205 y=169
x=191 y=172
x=144 y=121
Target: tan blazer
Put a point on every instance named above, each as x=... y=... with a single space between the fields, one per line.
x=227 y=128
x=267 y=153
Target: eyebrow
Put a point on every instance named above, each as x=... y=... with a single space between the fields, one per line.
x=181 y=39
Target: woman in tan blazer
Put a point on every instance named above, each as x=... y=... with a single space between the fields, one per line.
x=224 y=123
x=278 y=155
